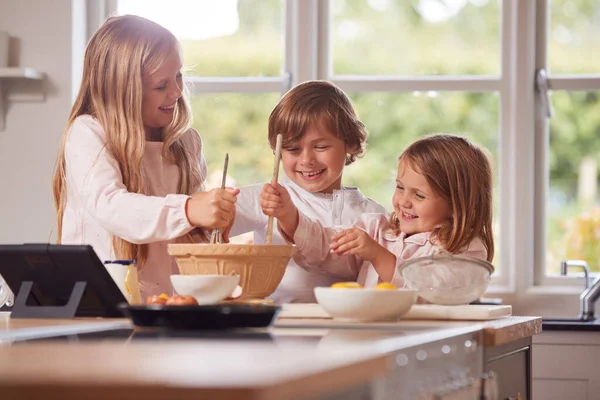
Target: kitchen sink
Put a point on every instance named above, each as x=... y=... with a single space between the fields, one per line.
x=570 y=324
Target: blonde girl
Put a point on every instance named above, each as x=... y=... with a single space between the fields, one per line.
x=130 y=170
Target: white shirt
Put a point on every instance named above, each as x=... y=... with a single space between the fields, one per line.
x=99 y=205
x=342 y=207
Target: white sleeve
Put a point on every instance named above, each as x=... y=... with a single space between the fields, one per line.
x=93 y=175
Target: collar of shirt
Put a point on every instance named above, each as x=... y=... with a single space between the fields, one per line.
x=350 y=194
x=418 y=238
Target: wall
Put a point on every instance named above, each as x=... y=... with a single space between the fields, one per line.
x=42 y=38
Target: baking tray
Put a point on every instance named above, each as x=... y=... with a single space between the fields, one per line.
x=204 y=317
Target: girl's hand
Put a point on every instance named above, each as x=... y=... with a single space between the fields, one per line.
x=355 y=241
x=212 y=209
x=227 y=229
x=276 y=201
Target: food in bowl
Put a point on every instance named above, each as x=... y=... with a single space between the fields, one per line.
x=176 y=300
x=346 y=285
x=180 y=300
x=161 y=299
x=365 y=305
x=447 y=279
x=386 y=286
x=260 y=267
x=206 y=289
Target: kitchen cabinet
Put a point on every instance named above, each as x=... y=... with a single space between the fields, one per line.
x=511 y=363
x=565 y=365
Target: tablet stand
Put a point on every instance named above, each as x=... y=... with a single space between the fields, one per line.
x=21 y=310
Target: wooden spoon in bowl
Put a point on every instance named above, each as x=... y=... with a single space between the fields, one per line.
x=274 y=182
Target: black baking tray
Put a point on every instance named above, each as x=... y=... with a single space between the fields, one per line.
x=205 y=317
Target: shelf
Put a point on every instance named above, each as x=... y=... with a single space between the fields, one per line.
x=18 y=74
x=26 y=73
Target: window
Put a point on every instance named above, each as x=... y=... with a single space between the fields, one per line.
x=411 y=68
x=569 y=41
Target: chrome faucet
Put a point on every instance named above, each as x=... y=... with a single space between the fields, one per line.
x=588 y=298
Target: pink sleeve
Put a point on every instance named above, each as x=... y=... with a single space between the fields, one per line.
x=312 y=243
x=476 y=249
x=95 y=178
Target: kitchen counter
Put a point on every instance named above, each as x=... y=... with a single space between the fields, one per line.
x=306 y=359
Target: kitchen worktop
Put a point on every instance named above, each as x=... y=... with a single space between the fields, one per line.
x=303 y=358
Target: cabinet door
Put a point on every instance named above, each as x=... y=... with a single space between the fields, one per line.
x=560 y=389
x=512 y=365
x=511 y=372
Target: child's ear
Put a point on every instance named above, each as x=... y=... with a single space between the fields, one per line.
x=352 y=149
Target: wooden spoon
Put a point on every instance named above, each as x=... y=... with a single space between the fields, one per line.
x=274 y=182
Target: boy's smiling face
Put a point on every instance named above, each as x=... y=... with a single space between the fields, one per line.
x=316 y=162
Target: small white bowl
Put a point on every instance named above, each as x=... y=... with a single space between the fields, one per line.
x=206 y=289
x=365 y=305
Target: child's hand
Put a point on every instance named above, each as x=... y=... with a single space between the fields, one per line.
x=357 y=242
x=276 y=201
x=212 y=209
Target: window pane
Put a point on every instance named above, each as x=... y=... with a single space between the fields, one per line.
x=221 y=38
x=573 y=210
x=235 y=124
x=416 y=37
x=574 y=37
x=394 y=120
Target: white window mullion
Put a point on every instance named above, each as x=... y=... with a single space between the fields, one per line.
x=516 y=157
x=584 y=83
x=410 y=84
x=505 y=282
x=325 y=48
x=236 y=85
x=542 y=105
x=304 y=40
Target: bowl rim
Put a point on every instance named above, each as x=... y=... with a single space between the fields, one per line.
x=447 y=256
x=400 y=289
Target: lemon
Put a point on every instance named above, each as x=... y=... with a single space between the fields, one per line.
x=164 y=296
x=386 y=286
x=346 y=285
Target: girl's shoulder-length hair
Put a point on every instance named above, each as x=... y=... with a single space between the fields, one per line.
x=461 y=173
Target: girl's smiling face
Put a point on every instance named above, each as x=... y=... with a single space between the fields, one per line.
x=162 y=90
x=417 y=206
x=316 y=162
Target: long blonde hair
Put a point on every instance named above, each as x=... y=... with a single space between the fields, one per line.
x=119 y=55
x=460 y=172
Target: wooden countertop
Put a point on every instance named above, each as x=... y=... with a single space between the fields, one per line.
x=228 y=369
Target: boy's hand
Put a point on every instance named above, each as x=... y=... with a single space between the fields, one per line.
x=276 y=201
x=355 y=241
x=212 y=209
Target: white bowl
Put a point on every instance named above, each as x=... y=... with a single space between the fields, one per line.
x=447 y=279
x=206 y=289
x=365 y=305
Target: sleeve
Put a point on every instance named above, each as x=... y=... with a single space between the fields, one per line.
x=94 y=176
x=476 y=249
x=248 y=214
x=312 y=241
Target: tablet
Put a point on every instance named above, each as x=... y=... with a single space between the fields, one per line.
x=52 y=274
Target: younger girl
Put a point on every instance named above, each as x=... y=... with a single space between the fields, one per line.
x=130 y=170
x=442 y=202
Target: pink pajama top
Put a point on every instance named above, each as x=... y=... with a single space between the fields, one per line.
x=98 y=204
x=312 y=240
